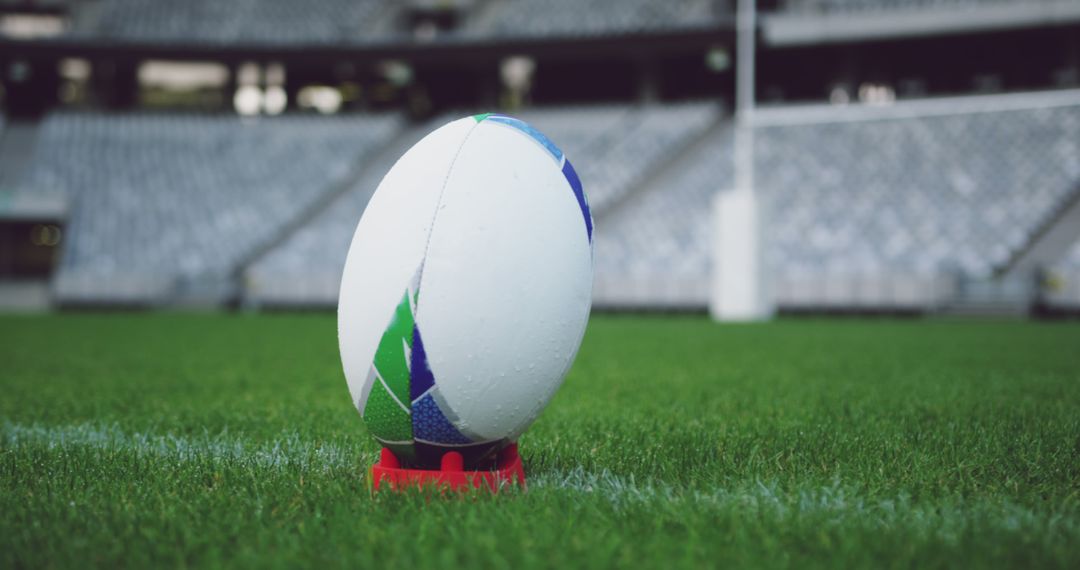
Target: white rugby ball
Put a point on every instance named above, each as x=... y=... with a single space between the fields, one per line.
x=466 y=290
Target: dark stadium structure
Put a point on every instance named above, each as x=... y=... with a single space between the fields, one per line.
x=916 y=156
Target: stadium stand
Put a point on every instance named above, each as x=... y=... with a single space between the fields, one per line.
x=17 y=142
x=260 y=22
x=885 y=207
x=910 y=205
x=929 y=196
x=570 y=18
x=652 y=250
x=358 y=23
x=862 y=6
x=161 y=201
x=618 y=145
x=797 y=22
x=952 y=190
x=890 y=212
x=616 y=165
x=12 y=155
x=351 y=22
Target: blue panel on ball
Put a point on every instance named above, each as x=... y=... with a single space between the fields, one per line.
x=579 y=193
x=431 y=425
x=420 y=377
x=531 y=131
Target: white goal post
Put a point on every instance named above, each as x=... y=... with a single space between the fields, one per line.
x=738 y=288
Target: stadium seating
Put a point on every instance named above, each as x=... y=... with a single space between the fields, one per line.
x=619 y=163
x=875 y=207
x=613 y=147
x=883 y=212
x=806 y=22
x=344 y=22
x=568 y=18
x=865 y=6
x=955 y=192
x=160 y=200
x=358 y=22
x=267 y=22
x=653 y=250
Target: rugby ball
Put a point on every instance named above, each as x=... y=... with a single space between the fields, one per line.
x=466 y=290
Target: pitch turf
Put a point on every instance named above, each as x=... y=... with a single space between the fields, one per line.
x=157 y=440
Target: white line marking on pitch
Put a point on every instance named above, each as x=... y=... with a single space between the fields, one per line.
x=755 y=498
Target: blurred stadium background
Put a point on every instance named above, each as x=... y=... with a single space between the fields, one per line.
x=913 y=156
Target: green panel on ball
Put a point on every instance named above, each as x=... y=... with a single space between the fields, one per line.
x=385 y=418
x=392 y=358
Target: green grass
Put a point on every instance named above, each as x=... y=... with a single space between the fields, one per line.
x=171 y=440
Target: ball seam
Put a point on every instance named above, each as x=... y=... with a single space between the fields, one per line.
x=435 y=214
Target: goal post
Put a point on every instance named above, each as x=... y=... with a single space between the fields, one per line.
x=738 y=285
x=739 y=288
